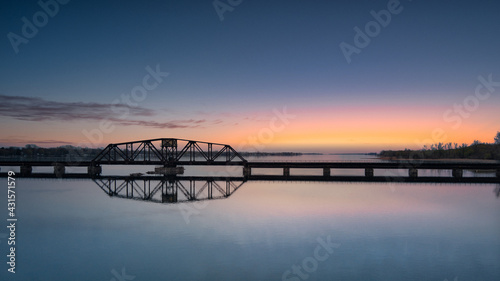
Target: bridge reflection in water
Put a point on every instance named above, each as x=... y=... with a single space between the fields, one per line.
x=175 y=189
x=169 y=189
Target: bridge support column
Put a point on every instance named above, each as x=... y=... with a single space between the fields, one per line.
x=59 y=170
x=369 y=172
x=286 y=172
x=94 y=170
x=169 y=193
x=247 y=171
x=326 y=172
x=169 y=171
x=413 y=173
x=26 y=170
x=457 y=173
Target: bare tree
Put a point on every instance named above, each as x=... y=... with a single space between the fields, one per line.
x=476 y=142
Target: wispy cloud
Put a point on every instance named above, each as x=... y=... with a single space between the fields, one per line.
x=23 y=140
x=38 y=109
x=175 y=124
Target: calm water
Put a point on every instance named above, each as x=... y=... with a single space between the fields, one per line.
x=72 y=230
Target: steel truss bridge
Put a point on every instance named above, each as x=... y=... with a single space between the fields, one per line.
x=188 y=189
x=169 y=152
x=185 y=189
x=172 y=154
x=169 y=189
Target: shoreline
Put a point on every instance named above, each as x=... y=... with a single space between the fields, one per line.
x=440 y=159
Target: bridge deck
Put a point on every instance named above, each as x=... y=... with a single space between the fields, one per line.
x=470 y=180
x=88 y=163
x=331 y=165
x=379 y=165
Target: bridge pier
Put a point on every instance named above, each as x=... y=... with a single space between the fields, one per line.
x=369 y=172
x=247 y=171
x=169 y=171
x=26 y=170
x=169 y=195
x=326 y=172
x=94 y=170
x=286 y=172
x=413 y=173
x=169 y=198
x=457 y=173
x=59 y=170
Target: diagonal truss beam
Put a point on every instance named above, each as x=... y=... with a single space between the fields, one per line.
x=168 y=152
x=164 y=190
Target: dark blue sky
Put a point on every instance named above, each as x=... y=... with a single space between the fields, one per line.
x=263 y=55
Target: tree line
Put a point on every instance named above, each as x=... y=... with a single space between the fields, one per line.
x=476 y=150
x=34 y=151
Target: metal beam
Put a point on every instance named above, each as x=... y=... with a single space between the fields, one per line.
x=167 y=151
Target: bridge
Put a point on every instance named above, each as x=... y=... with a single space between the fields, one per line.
x=169 y=189
x=178 y=189
x=171 y=155
x=166 y=152
x=181 y=189
x=169 y=152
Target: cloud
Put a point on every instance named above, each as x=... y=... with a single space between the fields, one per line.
x=38 y=109
x=23 y=140
x=175 y=124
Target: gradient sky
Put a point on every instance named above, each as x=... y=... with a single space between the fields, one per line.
x=228 y=78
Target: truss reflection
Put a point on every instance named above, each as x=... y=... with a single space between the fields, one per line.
x=169 y=189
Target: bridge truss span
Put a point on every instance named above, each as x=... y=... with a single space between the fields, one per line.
x=169 y=190
x=169 y=152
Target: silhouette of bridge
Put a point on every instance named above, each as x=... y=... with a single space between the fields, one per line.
x=171 y=155
x=179 y=189
x=169 y=189
x=169 y=152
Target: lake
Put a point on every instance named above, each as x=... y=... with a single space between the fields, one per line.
x=71 y=229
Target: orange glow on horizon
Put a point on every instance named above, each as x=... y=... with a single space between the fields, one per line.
x=360 y=129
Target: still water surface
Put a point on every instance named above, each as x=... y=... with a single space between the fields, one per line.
x=72 y=230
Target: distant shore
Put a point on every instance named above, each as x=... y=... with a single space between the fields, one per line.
x=474 y=152
x=472 y=160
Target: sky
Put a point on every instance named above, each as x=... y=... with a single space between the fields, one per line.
x=295 y=75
